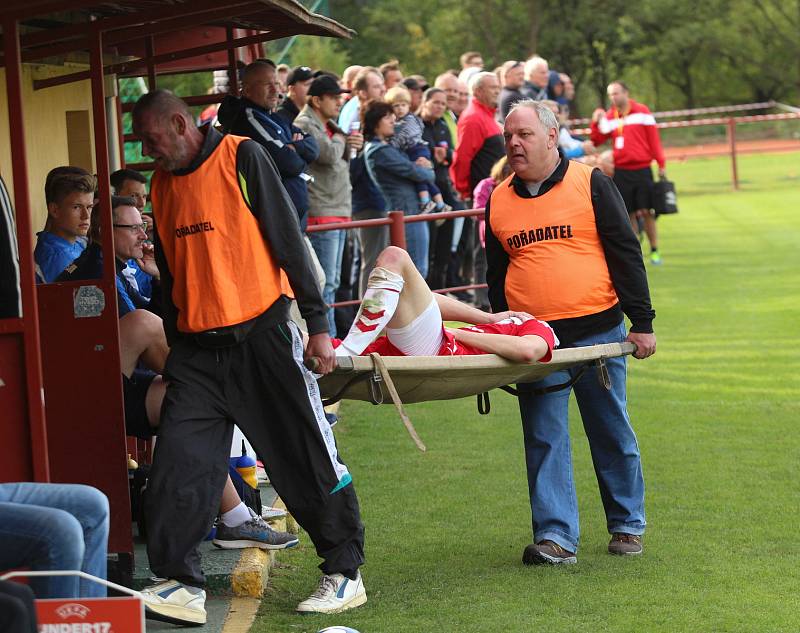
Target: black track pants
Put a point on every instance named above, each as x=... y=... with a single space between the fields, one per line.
x=263 y=387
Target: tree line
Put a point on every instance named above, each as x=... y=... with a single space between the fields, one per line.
x=677 y=54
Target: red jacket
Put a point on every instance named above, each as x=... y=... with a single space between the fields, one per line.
x=476 y=126
x=634 y=136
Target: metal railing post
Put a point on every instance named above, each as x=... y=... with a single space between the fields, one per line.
x=397 y=229
x=732 y=142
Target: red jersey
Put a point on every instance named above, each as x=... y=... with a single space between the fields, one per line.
x=634 y=135
x=450 y=347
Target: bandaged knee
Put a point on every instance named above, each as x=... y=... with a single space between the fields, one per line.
x=377 y=309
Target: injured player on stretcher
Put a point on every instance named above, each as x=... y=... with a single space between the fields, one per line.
x=398 y=302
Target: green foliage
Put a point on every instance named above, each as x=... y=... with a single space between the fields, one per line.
x=675 y=54
x=316 y=52
x=715 y=412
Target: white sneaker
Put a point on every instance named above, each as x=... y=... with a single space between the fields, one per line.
x=335 y=593
x=172 y=601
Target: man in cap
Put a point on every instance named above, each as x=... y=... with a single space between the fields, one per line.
x=297 y=83
x=330 y=194
x=415 y=90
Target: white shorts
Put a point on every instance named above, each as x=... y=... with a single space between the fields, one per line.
x=423 y=336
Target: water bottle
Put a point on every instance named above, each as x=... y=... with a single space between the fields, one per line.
x=355 y=126
x=246 y=467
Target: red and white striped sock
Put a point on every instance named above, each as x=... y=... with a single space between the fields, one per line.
x=376 y=310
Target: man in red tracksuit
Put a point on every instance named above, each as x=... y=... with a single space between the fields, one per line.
x=478 y=148
x=636 y=145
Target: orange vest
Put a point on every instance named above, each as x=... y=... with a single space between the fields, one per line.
x=222 y=269
x=557 y=268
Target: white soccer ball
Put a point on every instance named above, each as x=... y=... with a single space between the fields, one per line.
x=337 y=629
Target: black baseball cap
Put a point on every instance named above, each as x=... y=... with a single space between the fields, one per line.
x=325 y=85
x=412 y=84
x=299 y=73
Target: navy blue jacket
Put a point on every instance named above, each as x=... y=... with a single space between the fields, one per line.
x=366 y=195
x=395 y=176
x=242 y=117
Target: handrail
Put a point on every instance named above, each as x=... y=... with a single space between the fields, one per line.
x=396 y=221
x=667 y=114
x=754 y=118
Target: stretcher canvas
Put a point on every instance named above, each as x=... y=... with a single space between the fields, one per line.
x=424 y=378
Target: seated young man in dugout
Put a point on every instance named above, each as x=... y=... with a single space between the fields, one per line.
x=399 y=301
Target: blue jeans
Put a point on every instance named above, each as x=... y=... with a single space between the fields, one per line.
x=417 y=243
x=55 y=527
x=615 y=452
x=329 y=246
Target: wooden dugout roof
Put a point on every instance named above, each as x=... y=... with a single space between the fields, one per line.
x=53 y=28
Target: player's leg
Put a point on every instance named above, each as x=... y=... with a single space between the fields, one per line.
x=396 y=295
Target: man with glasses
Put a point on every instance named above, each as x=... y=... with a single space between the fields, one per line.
x=69 y=193
x=132 y=184
x=129 y=244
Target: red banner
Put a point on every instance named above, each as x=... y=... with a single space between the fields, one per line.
x=91 y=615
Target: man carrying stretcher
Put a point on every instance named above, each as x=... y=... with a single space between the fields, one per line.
x=399 y=302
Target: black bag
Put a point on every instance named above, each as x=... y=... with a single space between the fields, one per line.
x=665 y=200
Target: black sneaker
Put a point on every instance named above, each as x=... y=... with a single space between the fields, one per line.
x=548 y=553
x=253 y=533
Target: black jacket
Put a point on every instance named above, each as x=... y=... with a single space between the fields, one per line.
x=288 y=111
x=508 y=97
x=437 y=133
x=242 y=117
x=623 y=257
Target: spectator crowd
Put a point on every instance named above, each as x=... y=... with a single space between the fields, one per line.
x=373 y=139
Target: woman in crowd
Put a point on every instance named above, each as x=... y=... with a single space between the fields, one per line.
x=396 y=176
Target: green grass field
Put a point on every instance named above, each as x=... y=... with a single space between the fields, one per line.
x=716 y=412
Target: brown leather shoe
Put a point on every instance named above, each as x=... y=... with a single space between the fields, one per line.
x=547 y=553
x=625 y=544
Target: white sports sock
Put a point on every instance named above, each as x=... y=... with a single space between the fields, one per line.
x=376 y=310
x=236 y=516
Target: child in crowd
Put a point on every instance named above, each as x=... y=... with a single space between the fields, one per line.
x=483 y=191
x=408 y=138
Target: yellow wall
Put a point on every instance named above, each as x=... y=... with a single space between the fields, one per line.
x=46 y=139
